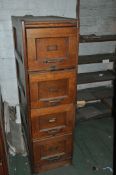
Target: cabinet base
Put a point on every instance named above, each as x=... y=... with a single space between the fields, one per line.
x=43 y=168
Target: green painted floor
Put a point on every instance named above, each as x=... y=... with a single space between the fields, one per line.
x=93 y=150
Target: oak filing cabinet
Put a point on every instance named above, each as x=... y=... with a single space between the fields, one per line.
x=46 y=52
x=3 y=150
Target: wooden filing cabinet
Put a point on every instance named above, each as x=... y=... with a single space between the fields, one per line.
x=3 y=152
x=46 y=52
x=3 y=162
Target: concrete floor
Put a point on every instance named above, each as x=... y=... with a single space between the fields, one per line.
x=93 y=150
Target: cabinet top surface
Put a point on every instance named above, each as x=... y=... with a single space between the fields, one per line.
x=29 y=19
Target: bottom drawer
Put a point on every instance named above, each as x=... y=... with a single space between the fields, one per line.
x=51 y=152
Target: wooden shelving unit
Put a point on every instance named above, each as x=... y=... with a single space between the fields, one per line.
x=96 y=102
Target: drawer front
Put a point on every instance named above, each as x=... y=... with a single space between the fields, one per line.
x=52 y=150
x=51 y=48
x=52 y=88
x=49 y=122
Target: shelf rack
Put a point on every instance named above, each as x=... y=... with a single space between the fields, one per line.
x=97 y=100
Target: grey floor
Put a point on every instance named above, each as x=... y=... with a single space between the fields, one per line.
x=93 y=150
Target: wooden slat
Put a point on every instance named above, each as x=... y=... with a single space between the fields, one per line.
x=94 y=38
x=85 y=95
x=98 y=58
x=103 y=92
x=95 y=93
x=99 y=76
x=94 y=110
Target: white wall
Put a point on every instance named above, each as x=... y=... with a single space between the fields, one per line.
x=19 y=8
x=97 y=16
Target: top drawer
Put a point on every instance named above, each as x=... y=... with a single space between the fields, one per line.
x=51 y=48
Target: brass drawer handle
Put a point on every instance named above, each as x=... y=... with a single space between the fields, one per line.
x=55 y=158
x=53 y=60
x=53 y=101
x=52 y=120
x=54 y=131
x=56 y=100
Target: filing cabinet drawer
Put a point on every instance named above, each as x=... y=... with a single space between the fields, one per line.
x=52 y=88
x=51 y=48
x=52 y=150
x=49 y=122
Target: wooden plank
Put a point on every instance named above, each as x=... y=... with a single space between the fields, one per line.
x=95 y=38
x=97 y=58
x=99 y=76
x=95 y=93
x=87 y=112
x=94 y=110
x=103 y=92
x=85 y=94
